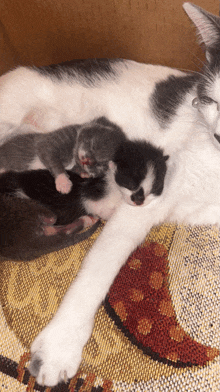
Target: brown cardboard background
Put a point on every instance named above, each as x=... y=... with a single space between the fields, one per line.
x=42 y=32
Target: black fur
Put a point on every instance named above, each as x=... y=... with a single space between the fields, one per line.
x=39 y=186
x=132 y=160
x=21 y=230
x=21 y=234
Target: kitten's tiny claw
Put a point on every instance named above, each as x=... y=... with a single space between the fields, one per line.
x=45 y=226
x=79 y=224
x=43 y=380
x=84 y=175
x=65 y=378
x=49 y=230
x=63 y=184
x=48 y=221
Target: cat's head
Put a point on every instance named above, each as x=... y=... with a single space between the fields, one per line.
x=208 y=28
x=139 y=171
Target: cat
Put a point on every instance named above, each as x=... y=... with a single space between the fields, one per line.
x=136 y=174
x=174 y=111
x=86 y=149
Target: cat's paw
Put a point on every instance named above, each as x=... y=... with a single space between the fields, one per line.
x=56 y=353
x=63 y=184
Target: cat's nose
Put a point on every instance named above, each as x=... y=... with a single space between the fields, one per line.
x=138 y=197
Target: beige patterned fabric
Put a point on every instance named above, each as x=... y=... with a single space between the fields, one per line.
x=185 y=280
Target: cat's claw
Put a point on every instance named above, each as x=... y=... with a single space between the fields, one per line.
x=56 y=353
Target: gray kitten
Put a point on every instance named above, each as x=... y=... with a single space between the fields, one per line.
x=86 y=149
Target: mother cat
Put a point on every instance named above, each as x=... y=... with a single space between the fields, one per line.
x=164 y=106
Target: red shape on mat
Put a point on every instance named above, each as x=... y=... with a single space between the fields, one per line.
x=142 y=308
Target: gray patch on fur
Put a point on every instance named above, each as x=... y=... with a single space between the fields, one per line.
x=89 y=71
x=169 y=94
x=35 y=366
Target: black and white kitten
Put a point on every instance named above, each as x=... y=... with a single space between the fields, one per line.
x=86 y=149
x=136 y=174
x=148 y=102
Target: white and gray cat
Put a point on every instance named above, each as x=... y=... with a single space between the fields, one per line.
x=172 y=110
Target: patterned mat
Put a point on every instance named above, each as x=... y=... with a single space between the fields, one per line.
x=158 y=329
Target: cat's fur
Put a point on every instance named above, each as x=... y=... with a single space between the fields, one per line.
x=150 y=103
x=136 y=174
x=86 y=149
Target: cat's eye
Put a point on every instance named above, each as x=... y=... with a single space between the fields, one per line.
x=205 y=100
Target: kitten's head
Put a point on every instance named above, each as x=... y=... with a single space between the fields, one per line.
x=208 y=28
x=96 y=145
x=139 y=170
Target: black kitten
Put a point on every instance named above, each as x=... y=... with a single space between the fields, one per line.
x=32 y=211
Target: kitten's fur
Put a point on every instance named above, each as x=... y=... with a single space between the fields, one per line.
x=87 y=149
x=150 y=103
x=136 y=174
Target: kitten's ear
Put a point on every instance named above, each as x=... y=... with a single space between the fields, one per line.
x=207 y=24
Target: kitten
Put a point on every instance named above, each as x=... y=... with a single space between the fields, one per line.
x=136 y=174
x=86 y=149
x=151 y=103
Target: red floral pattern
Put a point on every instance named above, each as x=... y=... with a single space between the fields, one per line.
x=139 y=301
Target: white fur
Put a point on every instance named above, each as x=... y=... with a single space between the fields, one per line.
x=191 y=193
x=124 y=101
x=106 y=206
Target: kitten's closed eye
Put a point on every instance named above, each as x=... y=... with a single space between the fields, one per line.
x=126 y=182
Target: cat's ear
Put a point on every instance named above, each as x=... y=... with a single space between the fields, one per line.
x=208 y=27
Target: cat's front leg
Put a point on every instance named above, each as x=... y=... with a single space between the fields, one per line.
x=56 y=352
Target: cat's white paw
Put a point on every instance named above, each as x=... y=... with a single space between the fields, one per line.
x=56 y=353
x=63 y=184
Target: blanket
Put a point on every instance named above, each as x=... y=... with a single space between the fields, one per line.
x=157 y=330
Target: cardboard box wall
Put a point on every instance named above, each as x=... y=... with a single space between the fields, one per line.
x=42 y=32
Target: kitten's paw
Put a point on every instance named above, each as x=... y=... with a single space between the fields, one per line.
x=63 y=184
x=56 y=353
x=45 y=224
x=74 y=227
x=82 y=223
